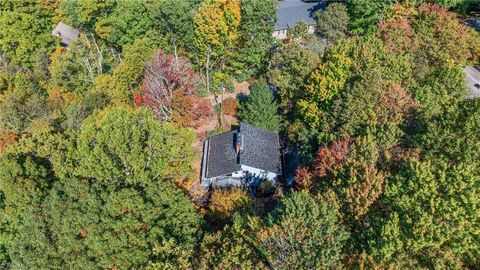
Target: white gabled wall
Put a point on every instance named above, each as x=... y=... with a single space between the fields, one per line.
x=263 y=174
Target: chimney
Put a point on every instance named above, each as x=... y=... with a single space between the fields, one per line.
x=239 y=146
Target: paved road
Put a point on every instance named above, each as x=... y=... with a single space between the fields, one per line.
x=473 y=82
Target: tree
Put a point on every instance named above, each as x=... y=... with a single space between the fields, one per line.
x=75 y=69
x=23 y=104
x=442 y=37
x=260 y=109
x=216 y=36
x=106 y=214
x=304 y=233
x=173 y=20
x=234 y=247
x=332 y=23
x=452 y=136
x=169 y=89
x=255 y=37
x=321 y=86
x=7 y=138
x=84 y=14
x=24 y=41
x=230 y=106
x=289 y=67
x=224 y=203
x=431 y=216
x=135 y=157
x=128 y=21
x=365 y=14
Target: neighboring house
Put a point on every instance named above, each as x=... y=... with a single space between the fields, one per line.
x=291 y=12
x=66 y=33
x=241 y=158
x=473 y=81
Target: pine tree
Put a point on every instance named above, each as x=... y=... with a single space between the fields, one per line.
x=260 y=109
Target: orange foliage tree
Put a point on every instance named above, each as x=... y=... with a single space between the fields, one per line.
x=7 y=138
x=230 y=106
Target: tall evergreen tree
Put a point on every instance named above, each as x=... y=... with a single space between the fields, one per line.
x=260 y=109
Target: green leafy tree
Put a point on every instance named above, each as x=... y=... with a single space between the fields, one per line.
x=322 y=86
x=75 y=69
x=332 y=23
x=24 y=40
x=256 y=39
x=432 y=217
x=128 y=21
x=304 y=233
x=365 y=14
x=103 y=198
x=136 y=156
x=453 y=135
x=289 y=67
x=23 y=104
x=173 y=20
x=234 y=247
x=84 y=13
x=260 y=109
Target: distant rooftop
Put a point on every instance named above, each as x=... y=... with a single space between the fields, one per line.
x=66 y=33
x=290 y=12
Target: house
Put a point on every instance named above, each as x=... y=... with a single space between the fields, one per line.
x=473 y=81
x=291 y=12
x=241 y=158
x=66 y=33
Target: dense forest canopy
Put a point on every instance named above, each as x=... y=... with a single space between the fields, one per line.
x=99 y=141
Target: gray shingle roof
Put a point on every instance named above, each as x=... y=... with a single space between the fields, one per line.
x=261 y=150
x=222 y=158
x=66 y=33
x=290 y=12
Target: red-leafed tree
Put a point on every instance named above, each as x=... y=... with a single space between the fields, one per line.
x=328 y=158
x=169 y=89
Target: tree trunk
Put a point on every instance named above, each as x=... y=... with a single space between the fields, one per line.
x=207 y=72
x=176 y=54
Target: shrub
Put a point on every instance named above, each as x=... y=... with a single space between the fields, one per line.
x=230 y=106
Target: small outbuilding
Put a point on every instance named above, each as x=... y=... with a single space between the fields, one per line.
x=241 y=158
x=66 y=33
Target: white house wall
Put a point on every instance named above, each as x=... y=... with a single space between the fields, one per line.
x=280 y=34
x=258 y=172
x=283 y=34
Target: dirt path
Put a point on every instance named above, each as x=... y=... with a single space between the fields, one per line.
x=240 y=88
x=209 y=124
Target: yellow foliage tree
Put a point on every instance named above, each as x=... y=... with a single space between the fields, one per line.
x=322 y=85
x=216 y=33
x=224 y=203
